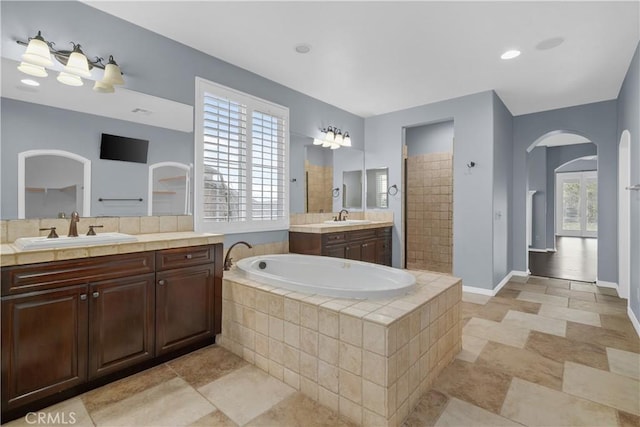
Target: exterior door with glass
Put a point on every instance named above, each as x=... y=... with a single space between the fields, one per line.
x=577 y=204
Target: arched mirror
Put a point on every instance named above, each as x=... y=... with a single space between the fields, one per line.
x=169 y=189
x=52 y=184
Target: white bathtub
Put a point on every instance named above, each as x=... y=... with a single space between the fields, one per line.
x=334 y=277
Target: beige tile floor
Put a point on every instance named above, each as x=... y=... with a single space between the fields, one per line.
x=542 y=353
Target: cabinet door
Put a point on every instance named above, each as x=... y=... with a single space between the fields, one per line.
x=44 y=344
x=354 y=251
x=122 y=320
x=383 y=249
x=369 y=251
x=336 y=251
x=184 y=307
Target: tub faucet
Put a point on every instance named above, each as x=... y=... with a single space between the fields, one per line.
x=340 y=218
x=227 y=259
x=73 y=226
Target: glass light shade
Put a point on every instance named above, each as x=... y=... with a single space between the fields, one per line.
x=339 y=139
x=37 y=53
x=112 y=75
x=69 y=79
x=330 y=136
x=326 y=144
x=317 y=141
x=103 y=87
x=334 y=145
x=32 y=70
x=77 y=65
x=346 y=141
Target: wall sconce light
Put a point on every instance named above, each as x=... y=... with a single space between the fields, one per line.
x=76 y=64
x=333 y=138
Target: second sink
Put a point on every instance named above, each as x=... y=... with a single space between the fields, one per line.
x=26 y=243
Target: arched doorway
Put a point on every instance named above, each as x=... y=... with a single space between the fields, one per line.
x=563 y=207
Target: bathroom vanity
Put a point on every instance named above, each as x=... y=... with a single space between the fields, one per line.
x=369 y=242
x=70 y=325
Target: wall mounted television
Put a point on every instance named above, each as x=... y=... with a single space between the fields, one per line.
x=113 y=147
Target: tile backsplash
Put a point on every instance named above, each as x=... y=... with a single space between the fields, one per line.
x=316 y=218
x=10 y=230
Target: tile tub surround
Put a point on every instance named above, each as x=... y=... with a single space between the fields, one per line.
x=368 y=360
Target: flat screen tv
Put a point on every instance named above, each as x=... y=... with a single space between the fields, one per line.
x=125 y=149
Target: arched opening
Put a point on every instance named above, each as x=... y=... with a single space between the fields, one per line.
x=169 y=189
x=624 y=215
x=58 y=189
x=562 y=206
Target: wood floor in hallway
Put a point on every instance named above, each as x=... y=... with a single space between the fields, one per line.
x=576 y=258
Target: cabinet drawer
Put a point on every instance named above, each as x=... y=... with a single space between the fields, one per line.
x=184 y=257
x=334 y=238
x=362 y=235
x=49 y=275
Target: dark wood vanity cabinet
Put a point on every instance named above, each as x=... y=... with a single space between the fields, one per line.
x=68 y=323
x=185 y=297
x=369 y=245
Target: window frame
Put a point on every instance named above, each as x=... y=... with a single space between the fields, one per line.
x=253 y=103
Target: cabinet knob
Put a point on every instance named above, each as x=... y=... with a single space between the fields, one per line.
x=188 y=256
x=96 y=294
x=83 y=297
x=365 y=245
x=161 y=282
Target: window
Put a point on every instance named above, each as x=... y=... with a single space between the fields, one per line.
x=241 y=152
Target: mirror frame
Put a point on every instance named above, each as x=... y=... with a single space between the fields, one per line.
x=187 y=198
x=86 y=185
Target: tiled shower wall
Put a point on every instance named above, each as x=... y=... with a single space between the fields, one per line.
x=430 y=212
x=319 y=186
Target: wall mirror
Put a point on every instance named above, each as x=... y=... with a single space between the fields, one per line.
x=318 y=170
x=377 y=188
x=52 y=184
x=56 y=117
x=169 y=189
x=352 y=189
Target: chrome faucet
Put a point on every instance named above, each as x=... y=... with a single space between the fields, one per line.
x=73 y=226
x=340 y=218
x=227 y=259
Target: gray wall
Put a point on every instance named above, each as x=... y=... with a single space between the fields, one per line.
x=537 y=181
x=27 y=126
x=159 y=66
x=580 y=165
x=472 y=213
x=629 y=118
x=316 y=155
x=502 y=179
x=556 y=157
x=433 y=138
x=596 y=122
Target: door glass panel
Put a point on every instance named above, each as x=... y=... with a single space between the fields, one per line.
x=571 y=217
x=592 y=204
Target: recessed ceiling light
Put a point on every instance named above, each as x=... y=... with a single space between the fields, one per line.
x=510 y=54
x=303 y=48
x=30 y=82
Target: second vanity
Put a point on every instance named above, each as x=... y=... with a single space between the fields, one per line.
x=71 y=324
x=369 y=242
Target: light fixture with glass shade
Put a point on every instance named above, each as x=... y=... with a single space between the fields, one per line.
x=333 y=138
x=76 y=64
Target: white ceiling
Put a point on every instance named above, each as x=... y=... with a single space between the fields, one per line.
x=371 y=58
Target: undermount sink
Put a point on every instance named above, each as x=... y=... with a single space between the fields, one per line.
x=348 y=222
x=26 y=243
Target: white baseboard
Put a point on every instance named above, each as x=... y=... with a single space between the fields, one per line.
x=494 y=291
x=634 y=320
x=605 y=284
x=475 y=290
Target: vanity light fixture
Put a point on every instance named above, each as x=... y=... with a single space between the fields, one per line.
x=333 y=138
x=76 y=64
